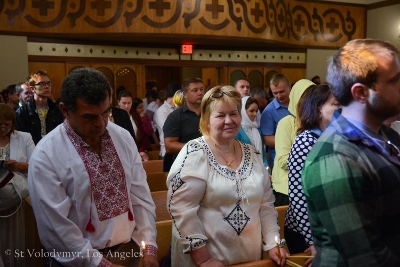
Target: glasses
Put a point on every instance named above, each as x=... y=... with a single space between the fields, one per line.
x=42 y=84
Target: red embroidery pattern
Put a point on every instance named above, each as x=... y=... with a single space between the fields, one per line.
x=151 y=250
x=104 y=263
x=107 y=176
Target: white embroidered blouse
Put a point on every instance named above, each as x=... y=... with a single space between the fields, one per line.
x=230 y=211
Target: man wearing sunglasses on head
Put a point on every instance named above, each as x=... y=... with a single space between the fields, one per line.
x=40 y=115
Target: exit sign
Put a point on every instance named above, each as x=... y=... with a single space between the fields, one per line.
x=187 y=49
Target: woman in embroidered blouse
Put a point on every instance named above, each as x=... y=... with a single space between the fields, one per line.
x=314 y=113
x=15 y=150
x=220 y=197
x=250 y=129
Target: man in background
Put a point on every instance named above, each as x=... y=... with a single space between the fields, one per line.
x=261 y=96
x=40 y=115
x=25 y=93
x=182 y=125
x=351 y=178
x=274 y=112
x=12 y=96
x=316 y=79
x=243 y=86
x=162 y=113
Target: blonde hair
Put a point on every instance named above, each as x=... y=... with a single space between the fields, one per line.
x=229 y=96
x=178 y=99
x=32 y=78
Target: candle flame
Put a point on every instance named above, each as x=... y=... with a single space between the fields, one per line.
x=143 y=244
x=276 y=239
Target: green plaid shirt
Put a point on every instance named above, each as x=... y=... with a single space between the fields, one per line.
x=352 y=186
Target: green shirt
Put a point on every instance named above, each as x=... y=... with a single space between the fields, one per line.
x=352 y=186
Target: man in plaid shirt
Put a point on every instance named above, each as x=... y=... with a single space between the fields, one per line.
x=351 y=177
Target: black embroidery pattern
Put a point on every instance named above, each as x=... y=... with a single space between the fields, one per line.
x=237 y=219
x=196 y=242
x=177 y=182
x=244 y=171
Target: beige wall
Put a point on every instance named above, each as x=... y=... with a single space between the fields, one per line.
x=317 y=63
x=13 y=60
x=384 y=23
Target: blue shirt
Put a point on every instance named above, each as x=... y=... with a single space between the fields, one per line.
x=270 y=117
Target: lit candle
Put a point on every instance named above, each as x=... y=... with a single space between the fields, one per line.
x=142 y=252
x=278 y=246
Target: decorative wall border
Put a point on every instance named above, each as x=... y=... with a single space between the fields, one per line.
x=299 y=23
x=93 y=51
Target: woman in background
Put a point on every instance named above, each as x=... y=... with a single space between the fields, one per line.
x=15 y=151
x=314 y=113
x=178 y=99
x=144 y=128
x=250 y=129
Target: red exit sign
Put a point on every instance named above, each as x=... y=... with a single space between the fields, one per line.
x=187 y=49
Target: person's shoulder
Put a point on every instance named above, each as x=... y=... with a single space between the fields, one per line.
x=20 y=134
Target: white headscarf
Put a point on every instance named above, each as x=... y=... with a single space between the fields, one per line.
x=251 y=127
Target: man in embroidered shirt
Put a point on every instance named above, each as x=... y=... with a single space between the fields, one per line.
x=274 y=112
x=86 y=181
x=40 y=115
x=351 y=178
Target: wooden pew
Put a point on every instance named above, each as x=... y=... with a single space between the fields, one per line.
x=153 y=165
x=164 y=237
x=160 y=200
x=157 y=181
x=153 y=155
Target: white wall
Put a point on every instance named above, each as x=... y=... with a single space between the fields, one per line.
x=384 y=23
x=13 y=60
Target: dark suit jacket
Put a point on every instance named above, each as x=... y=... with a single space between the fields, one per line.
x=121 y=118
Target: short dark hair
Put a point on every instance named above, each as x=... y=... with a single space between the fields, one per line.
x=172 y=88
x=307 y=108
x=152 y=94
x=258 y=91
x=356 y=62
x=88 y=84
x=241 y=79
x=277 y=78
x=18 y=87
x=11 y=89
x=150 y=85
x=314 y=78
x=188 y=81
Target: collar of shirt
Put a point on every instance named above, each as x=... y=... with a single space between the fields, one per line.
x=357 y=131
x=277 y=105
x=169 y=106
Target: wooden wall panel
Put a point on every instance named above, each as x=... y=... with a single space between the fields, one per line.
x=290 y=22
x=294 y=74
